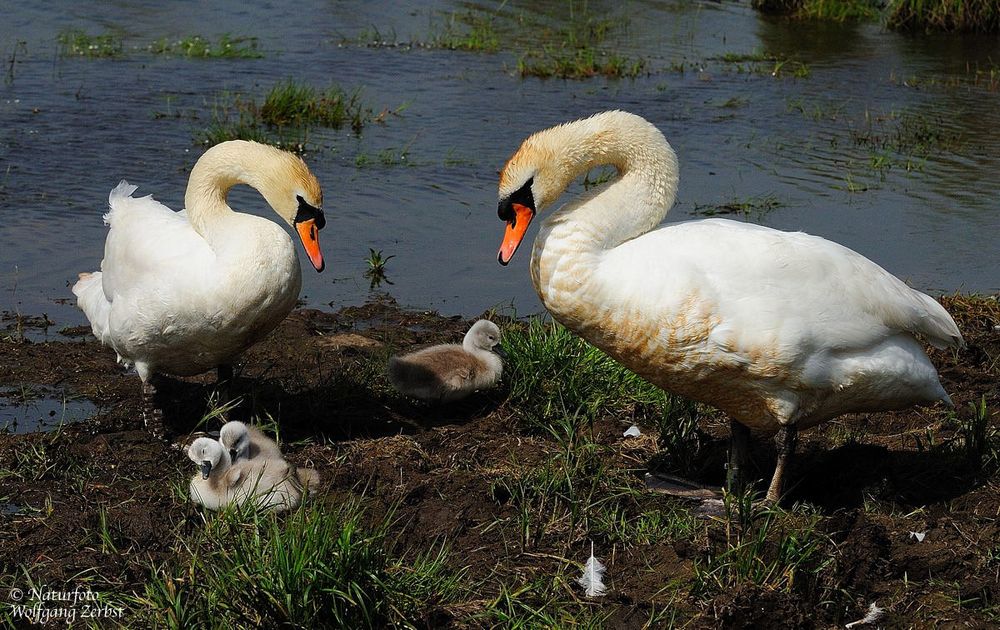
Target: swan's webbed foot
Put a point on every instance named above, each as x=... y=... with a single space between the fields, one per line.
x=152 y=415
x=785 y=442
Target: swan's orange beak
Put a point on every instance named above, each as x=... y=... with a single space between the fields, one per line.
x=517 y=227
x=309 y=234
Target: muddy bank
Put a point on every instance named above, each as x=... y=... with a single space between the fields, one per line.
x=102 y=500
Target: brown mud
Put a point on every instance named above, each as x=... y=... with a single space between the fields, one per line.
x=871 y=480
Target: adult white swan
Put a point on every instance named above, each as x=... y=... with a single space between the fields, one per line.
x=780 y=330
x=182 y=292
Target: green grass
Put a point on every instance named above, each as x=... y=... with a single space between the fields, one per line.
x=318 y=567
x=287 y=114
x=474 y=31
x=551 y=372
x=75 y=42
x=376 y=268
x=766 y=547
x=199 y=47
x=982 y=16
x=579 y=63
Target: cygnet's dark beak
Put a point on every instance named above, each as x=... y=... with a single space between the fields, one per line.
x=499 y=352
x=206 y=469
x=232 y=454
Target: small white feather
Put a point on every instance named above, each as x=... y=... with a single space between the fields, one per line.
x=633 y=431
x=592 y=579
x=874 y=614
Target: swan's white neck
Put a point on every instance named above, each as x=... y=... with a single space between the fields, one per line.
x=635 y=202
x=639 y=198
x=219 y=169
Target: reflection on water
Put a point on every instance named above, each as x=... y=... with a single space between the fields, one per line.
x=889 y=146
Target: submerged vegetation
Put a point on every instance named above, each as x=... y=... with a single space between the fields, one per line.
x=75 y=42
x=199 y=47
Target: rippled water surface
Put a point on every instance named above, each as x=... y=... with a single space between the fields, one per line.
x=890 y=144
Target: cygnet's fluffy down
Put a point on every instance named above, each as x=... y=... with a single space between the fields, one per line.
x=272 y=484
x=449 y=372
x=247 y=442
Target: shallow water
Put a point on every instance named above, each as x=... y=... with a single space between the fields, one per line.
x=40 y=409
x=71 y=128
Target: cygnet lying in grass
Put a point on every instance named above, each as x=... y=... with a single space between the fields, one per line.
x=449 y=372
x=272 y=484
x=247 y=442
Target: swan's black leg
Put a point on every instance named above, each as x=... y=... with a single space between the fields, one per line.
x=739 y=449
x=785 y=442
x=152 y=415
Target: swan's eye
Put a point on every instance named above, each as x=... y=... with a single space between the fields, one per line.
x=307 y=211
x=522 y=196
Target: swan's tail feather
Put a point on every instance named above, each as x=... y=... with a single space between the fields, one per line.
x=938 y=326
x=89 y=292
x=118 y=194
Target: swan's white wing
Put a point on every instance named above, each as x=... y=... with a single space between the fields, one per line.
x=769 y=287
x=150 y=247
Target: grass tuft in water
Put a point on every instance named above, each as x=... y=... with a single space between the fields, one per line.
x=980 y=16
x=286 y=115
x=199 y=47
x=581 y=63
x=75 y=42
x=316 y=567
x=471 y=30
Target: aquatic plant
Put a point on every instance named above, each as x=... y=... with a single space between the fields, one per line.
x=376 y=268
x=287 y=113
x=199 y=47
x=469 y=30
x=75 y=42
x=981 y=16
x=581 y=63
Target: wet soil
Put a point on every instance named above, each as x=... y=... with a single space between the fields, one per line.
x=871 y=480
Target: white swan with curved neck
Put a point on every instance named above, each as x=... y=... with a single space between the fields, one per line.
x=780 y=330
x=182 y=292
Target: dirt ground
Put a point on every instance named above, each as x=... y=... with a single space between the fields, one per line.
x=871 y=480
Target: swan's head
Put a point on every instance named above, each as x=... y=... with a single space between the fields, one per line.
x=532 y=180
x=281 y=177
x=483 y=335
x=234 y=437
x=296 y=196
x=207 y=454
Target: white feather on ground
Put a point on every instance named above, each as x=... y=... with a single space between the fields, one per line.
x=592 y=579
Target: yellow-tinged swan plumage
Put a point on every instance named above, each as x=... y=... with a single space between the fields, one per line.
x=777 y=329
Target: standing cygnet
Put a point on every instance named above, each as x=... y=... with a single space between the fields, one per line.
x=247 y=442
x=450 y=371
x=273 y=484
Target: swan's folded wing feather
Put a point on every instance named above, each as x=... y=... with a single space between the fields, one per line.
x=787 y=292
x=149 y=244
